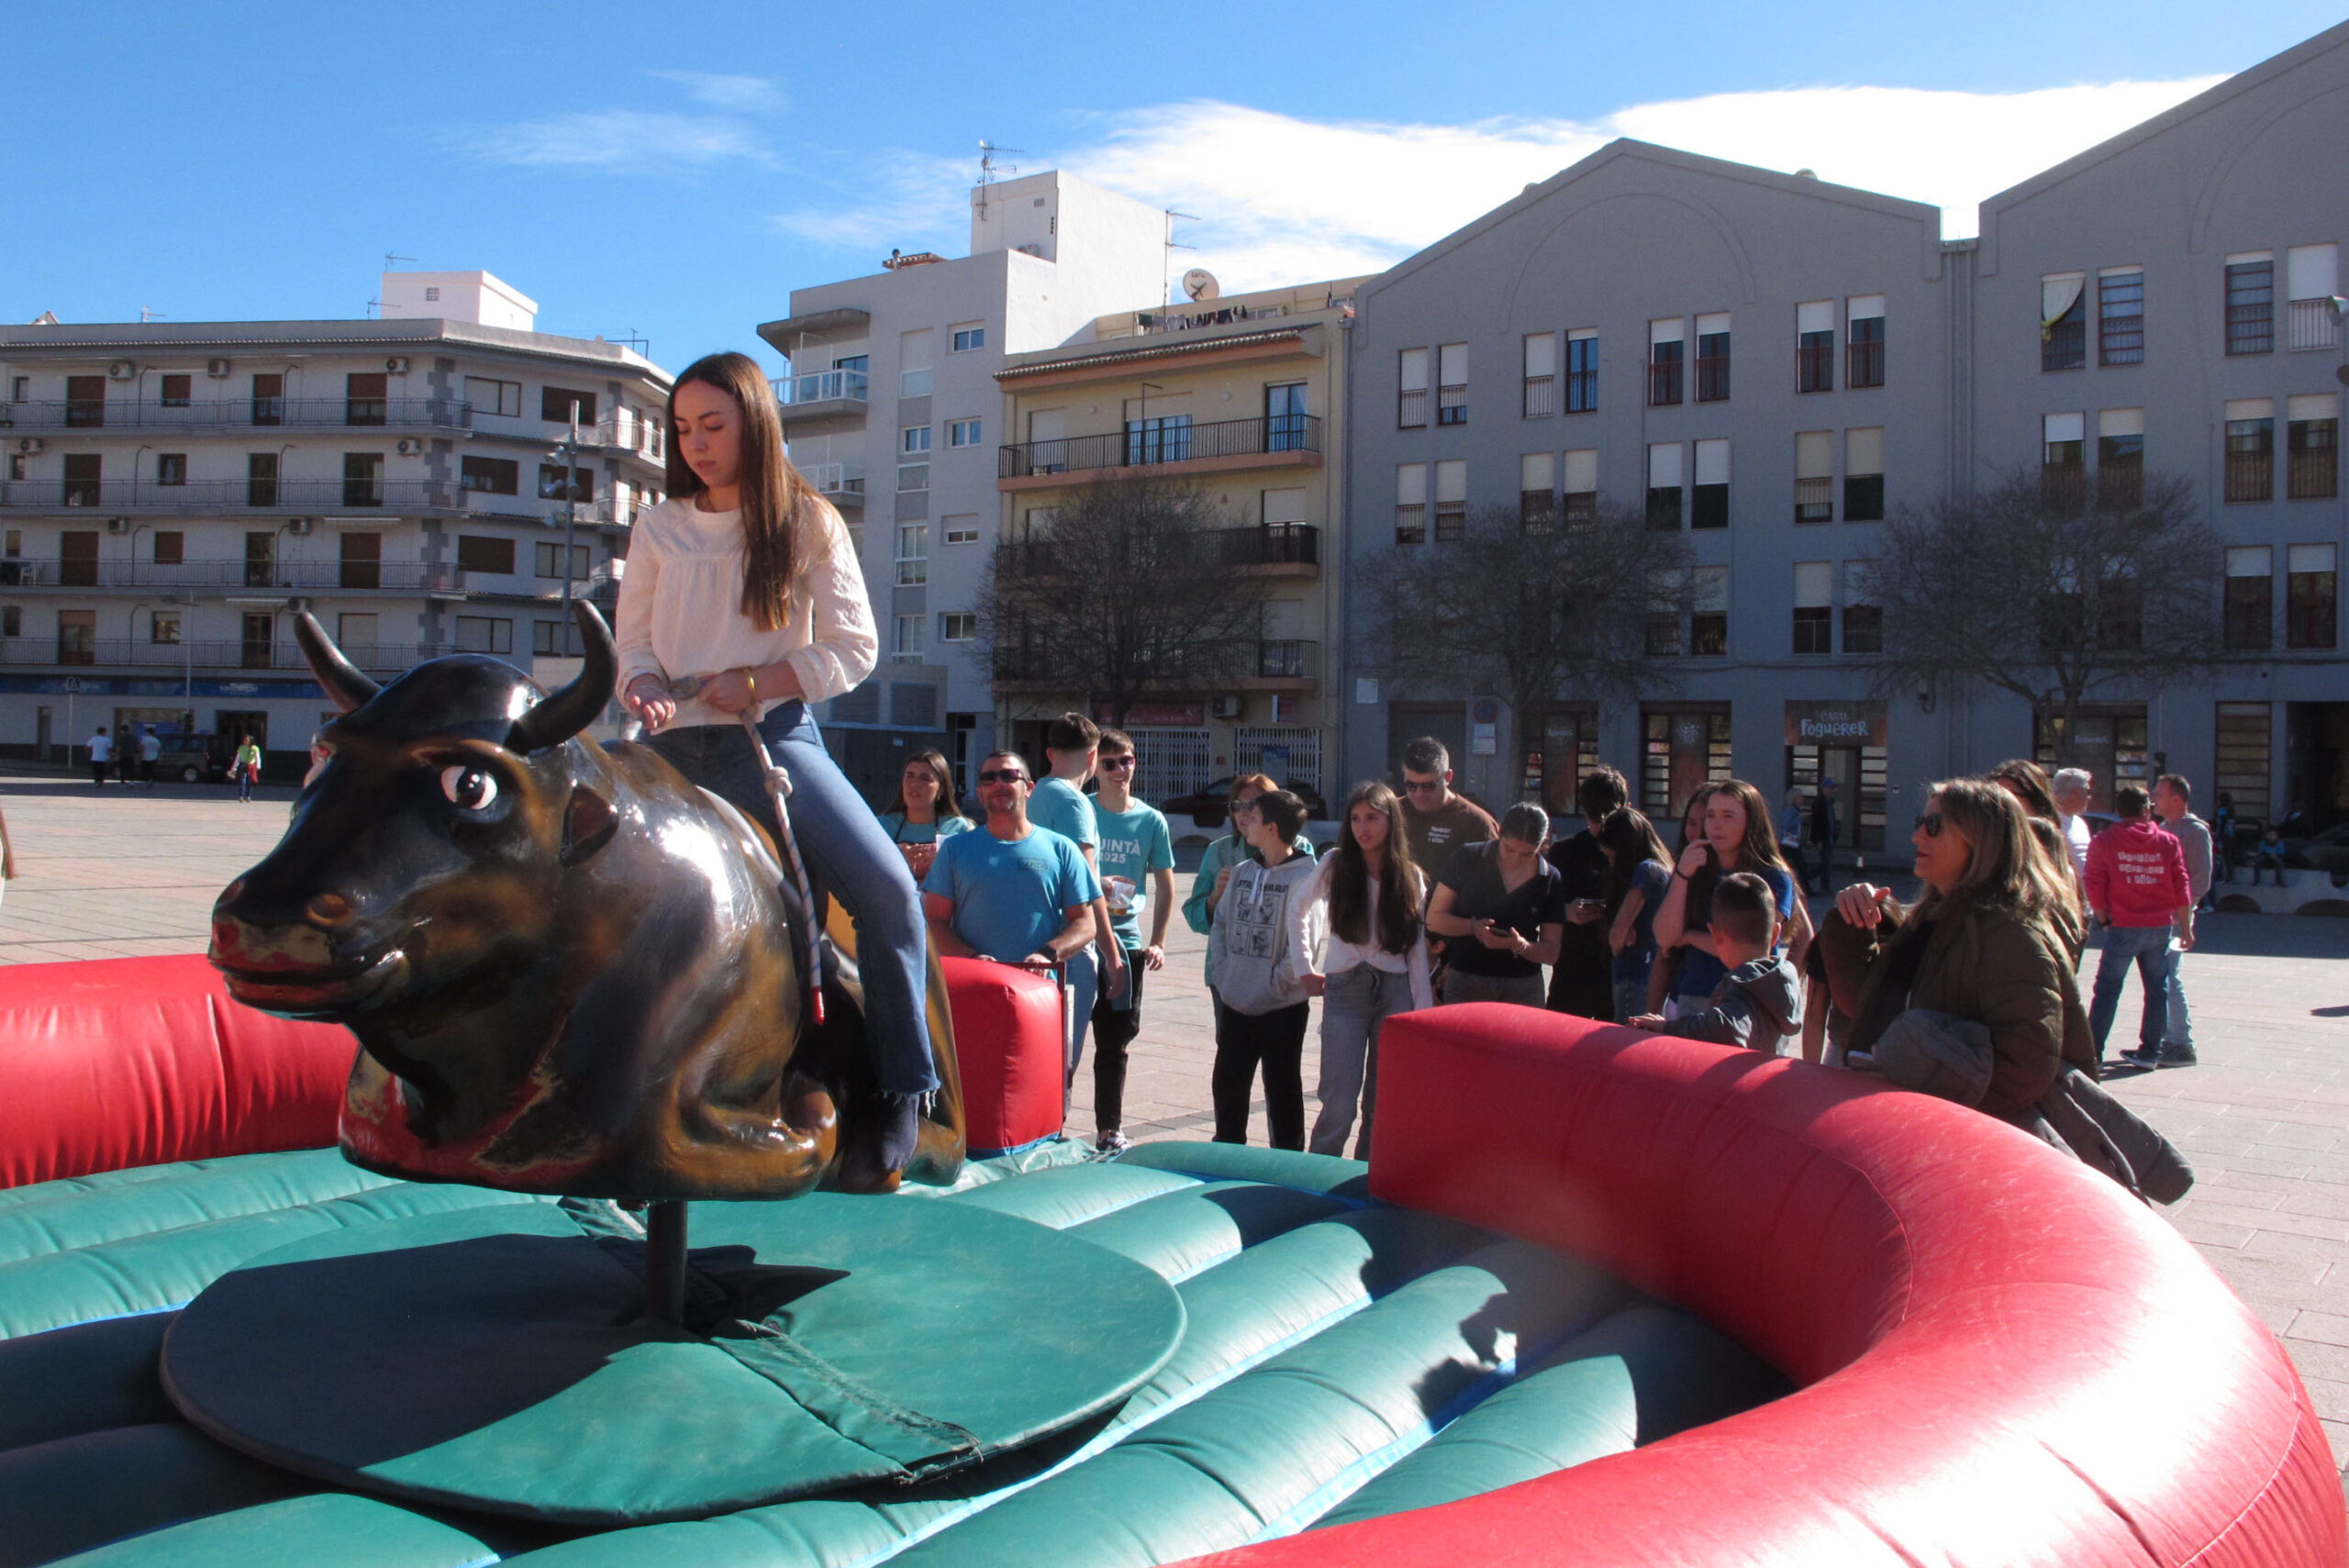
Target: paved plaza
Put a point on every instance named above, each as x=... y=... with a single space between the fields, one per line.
x=116 y=872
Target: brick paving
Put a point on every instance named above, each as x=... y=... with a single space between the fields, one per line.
x=2264 y=1118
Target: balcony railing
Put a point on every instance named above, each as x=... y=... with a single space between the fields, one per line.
x=2063 y=484
x=2250 y=476
x=201 y=653
x=824 y=387
x=1175 y=443
x=291 y=576
x=1411 y=408
x=1271 y=544
x=1814 y=500
x=239 y=412
x=2312 y=474
x=2312 y=325
x=1540 y=396
x=388 y=495
x=841 y=483
x=1288 y=660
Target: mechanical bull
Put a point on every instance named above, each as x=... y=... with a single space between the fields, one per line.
x=569 y=969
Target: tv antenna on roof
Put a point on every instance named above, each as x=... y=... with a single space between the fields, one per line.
x=389 y=258
x=1173 y=245
x=989 y=170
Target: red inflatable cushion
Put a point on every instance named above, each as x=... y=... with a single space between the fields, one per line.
x=114 y=1062
x=1007 y=1043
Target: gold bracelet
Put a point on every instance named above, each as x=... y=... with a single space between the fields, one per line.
x=750 y=678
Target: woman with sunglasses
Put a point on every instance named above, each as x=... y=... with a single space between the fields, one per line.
x=743 y=595
x=1215 y=866
x=924 y=811
x=1985 y=944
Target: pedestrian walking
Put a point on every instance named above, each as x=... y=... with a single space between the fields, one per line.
x=247 y=767
x=101 y=755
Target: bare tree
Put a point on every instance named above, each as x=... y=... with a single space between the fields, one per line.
x=1534 y=607
x=2054 y=590
x=1134 y=588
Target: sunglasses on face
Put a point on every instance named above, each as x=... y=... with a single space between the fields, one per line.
x=1929 y=824
x=1416 y=786
x=1239 y=805
x=1116 y=764
x=1002 y=776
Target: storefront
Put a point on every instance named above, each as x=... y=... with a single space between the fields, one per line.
x=2110 y=745
x=1682 y=746
x=1845 y=741
x=1568 y=749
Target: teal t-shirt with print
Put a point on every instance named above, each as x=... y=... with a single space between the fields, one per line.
x=1134 y=842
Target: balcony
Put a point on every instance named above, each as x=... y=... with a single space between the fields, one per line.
x=391 y=497
x=209 y=655
x=235 y=575
x=841 y=483
x=1273 y=549
x=1284 y=660
x=1282 y=440
x=2312 y=325
x=240 y=414
x=1815 y=500
x=1280 y=665
x=822 y=394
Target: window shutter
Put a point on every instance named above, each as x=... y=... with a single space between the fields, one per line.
x=1411 y=485
x=1815 y=455
x=1815 y=316
x=2064 y=427
x=1537 y=471
x=1713 y=463
x=1415 y=369
x=1814 y=584
x=1452 y=481
x=2251 y=560
x=1541 y=353
x=2121 y=422
x=1664 y=466
x=1863 y=449
x=1582 y=473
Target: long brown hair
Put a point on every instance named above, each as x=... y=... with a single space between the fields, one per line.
x=2006 y=865
x=1398 y=894
x=773 y=491
x=2027 y=782
x=1629 y=839
x=1759 y=846
x=936 y=762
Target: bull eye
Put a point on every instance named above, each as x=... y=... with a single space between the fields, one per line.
x=471 y=788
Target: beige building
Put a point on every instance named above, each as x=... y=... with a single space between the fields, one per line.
x=1244 y=394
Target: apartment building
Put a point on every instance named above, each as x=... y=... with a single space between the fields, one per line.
x=892 y=409
x=175 y=492
x=1243 y=396
x=1755 y=361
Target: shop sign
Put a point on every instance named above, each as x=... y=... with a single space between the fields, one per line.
x=1157 y=714
x=1837 y=723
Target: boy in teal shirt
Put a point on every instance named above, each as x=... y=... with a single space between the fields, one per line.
x=1070 y=746
x=1137 y=861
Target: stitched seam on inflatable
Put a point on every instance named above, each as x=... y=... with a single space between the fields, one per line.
x=2260 y=1494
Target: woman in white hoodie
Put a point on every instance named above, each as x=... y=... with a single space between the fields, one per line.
x=1261 y=1008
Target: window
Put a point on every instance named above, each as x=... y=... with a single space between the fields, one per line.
x=170 y=548
x=1863 y=355
x=557 y=404
x=2250 y=303
x=1712 y=357
x=2312 y=447
x=2121 y=457
x=1541 y=374
x=1708 y=622
x=1863 y=619
x=1864 y=474
x=171 y=468
x=913 y=554
x=2312 y=272
x=1664 y=346
x=86 y=402
x=1285 y=422
x=1664 y=485
x=485 y=552
x=2063 y=459
x=500 y=398
x=16 y=465
x=2120 y=316
x=917 y=351
x=268 y=399
x=82 y=471
x=1537 y=492
x=363 y=479
x=431 y=294
x=2250 y=597
x=913 y=476
x=483 y=634
x=962 y=433
x=2063 y=321
x=163 y=626
x=968 y=338
x=260 y=479
x=1814 y=476
x=12 y=620
x=552 y=486
x=366 y=398
x=1451 y=384
x=958 y=626
x=259 y=631
x=20 y=388
x=1815 y=346
x=2309 y=592
x=913 y=439
x=1663 y=637
x=494 y=475
x=906 y=647
x=1451 y=501
x=363 y=560
x=1814 y=606
x=1411 y=502
x=177 y=391
x=962 y=529
x=1582 y=371
x=1580 y=502
x=2251 y=449
x=550 y=560
x=77 y=637
x=1709 y=504
x=548 y=639
x=260 y=558
x=1162 y=438
x=1411 y=390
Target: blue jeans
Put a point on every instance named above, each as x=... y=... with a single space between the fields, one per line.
x=1355 y=1004
x=2148 y=948
x=2180 y=1030
x=847 y=855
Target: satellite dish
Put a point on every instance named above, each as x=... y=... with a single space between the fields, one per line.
x=1200 y=283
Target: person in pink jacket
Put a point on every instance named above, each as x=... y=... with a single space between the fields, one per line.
x=2138 y=888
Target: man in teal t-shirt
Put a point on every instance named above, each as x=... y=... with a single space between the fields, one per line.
x=1070 y=743
x=1137 y=861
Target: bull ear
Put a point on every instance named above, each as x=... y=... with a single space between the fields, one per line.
x=338 y=675
x=565 y=713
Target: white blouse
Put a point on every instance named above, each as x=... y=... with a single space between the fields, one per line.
x=680 y=606
x=1328 y=954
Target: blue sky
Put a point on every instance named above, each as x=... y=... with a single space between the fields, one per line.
x=676 y=171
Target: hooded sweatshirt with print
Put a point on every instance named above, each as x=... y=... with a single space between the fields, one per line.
x=2137 y=874
x=1257 y=969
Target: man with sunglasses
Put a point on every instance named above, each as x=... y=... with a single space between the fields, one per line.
x=1016 y=892
x=1436 y=820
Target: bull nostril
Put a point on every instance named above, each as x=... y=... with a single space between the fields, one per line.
x=329 y=910
x=232 y=893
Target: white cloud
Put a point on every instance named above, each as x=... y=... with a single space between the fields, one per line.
x=743 y=95
x=1284 y=200
x=621 y=141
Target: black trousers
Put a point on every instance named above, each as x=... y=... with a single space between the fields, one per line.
x=1114 y=1028
x=1244 y=1042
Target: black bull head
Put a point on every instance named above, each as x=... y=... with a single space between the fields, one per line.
x=569 y=969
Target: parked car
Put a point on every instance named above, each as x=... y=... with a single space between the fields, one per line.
x=1206 y=808
x=194 y=758
x=2325 y=852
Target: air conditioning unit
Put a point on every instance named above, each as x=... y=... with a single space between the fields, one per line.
x=118 y=525
x=122 y=370
x=216 y=369
x=294 y=607
x=410 y=448
x=396 y=364
x=31 y=444
x=1228 y=708
x=301 y=525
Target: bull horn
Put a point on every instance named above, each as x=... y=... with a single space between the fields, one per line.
x=338 y=675
x=564 y=714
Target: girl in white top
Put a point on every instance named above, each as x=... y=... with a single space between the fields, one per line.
x=1360 y=925
x=746 y=579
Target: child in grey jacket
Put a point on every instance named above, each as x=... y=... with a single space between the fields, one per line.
x=1259 y=998
x=1759 y=1001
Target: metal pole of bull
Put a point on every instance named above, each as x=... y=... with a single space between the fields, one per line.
x=664 y=1261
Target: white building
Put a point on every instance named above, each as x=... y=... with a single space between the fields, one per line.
x=892 y=409
x=174 y=492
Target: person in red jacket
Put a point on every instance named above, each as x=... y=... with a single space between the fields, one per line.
x=2138 y=887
